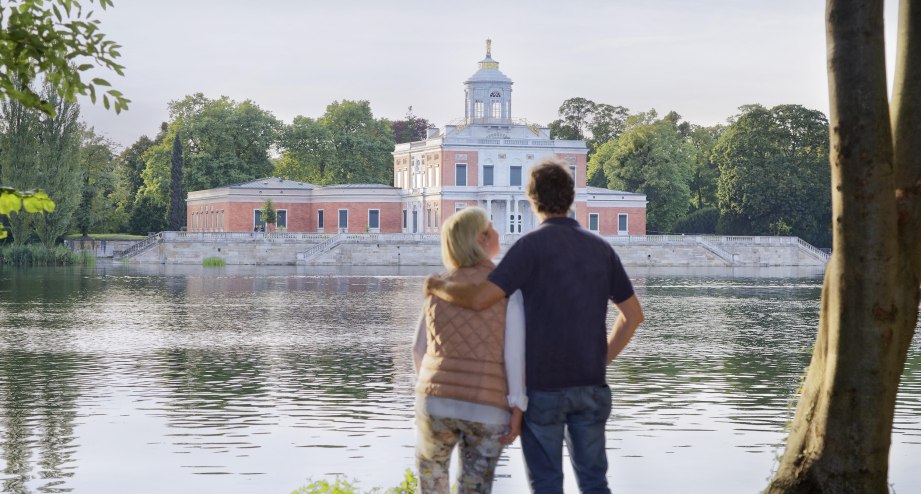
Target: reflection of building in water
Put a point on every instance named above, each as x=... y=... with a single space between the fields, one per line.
x=483 y=160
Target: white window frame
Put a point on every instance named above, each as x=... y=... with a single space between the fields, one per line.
x=460 y=205
x=626 y=218
x=339 y=226
x=597 y=218
x=372 y=229
x=321 y=220
x=457 y=174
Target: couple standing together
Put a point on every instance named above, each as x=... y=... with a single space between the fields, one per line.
x=520 y=348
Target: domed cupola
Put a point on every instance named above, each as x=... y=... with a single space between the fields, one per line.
x=488 y=93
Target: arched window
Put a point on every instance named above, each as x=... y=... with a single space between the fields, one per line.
x=495 y=103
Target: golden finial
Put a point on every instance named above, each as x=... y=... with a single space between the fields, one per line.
x=488 y=48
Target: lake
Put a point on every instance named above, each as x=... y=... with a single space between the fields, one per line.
x=186 y=379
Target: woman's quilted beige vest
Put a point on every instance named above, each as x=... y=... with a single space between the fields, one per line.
x=464 y=357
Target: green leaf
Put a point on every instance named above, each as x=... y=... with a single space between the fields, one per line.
x=9 y=203
x=2 y=233
x=100 y=82
x=37 y=203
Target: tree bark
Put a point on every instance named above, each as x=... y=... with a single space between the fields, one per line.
x=840 y=438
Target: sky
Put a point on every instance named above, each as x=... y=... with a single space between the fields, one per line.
x=701 y=58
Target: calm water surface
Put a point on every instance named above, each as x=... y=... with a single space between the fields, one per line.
x=159 y=379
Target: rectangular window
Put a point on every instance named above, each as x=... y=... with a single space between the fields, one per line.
x=514 y=178
x=458 y=206
x=593 y=222
x=622 y=224
x=478 y=109
x=281 y=218
x=461 y=178
x=374 y=219
x=572 y=171
x=320 y=220
x=428 y=218
x=488 y=175
x=343 y=220
x=258 y=224
x=404 y=219
x=496 y=109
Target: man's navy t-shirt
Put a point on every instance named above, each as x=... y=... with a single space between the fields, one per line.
x=567 y=275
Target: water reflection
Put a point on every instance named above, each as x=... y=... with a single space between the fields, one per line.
x=182 y=379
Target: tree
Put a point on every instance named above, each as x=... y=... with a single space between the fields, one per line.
x=583 y=119
x=268 y=215
x=18 y=158
x=608 y=123
x=175 y=213
x=128 y=168
x=650 y=157
x=41 y=152
x=704 y=170
x=411 y=128
x=308 y=146
x=362 y=144
x=346 y=145
x=773 y=173
x=58 y=169
x=56 y=40
x=97 y=209
x=223 y=142
x=840 y=438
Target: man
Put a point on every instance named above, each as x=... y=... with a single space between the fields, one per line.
x=566 y=275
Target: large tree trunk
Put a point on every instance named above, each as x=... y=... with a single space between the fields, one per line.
x=839 y=442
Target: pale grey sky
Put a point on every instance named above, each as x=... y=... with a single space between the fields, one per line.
x=700 y=58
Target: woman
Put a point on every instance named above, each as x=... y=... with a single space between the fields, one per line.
x=469 y=367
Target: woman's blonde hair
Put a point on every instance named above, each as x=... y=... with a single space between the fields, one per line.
x=459 y=245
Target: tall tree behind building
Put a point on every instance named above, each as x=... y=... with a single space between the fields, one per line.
x=224 y=142
x=346 y=145
x=650 y=157
x=175 y=215
x=773 y=173
x=410 y=129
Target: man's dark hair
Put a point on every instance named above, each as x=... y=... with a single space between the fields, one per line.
x=550 y=187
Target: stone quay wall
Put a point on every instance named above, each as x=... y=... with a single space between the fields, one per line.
x=424 y=250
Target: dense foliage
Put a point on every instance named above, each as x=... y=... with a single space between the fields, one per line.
x=346 y=145
x=764 y=173
x=774 y=176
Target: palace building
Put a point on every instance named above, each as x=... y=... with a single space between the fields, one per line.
x=483 y=160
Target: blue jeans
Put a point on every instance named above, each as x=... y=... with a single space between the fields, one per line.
x=576 y=415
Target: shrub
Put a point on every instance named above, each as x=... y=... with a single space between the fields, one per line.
x=37 y=255
x=213 y=262
x=339 y=486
